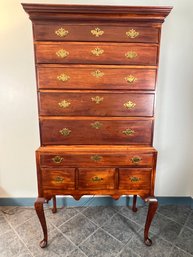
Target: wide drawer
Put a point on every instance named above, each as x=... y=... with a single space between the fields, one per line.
x=101 y=53
x=97 y=158
x=133 y=178
x=58 y=179
x=102 y=131
x=98 y=178
x=69 y=32
x=97 y=77
x=96 y=104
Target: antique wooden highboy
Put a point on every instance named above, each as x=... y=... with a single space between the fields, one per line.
x=96 y=69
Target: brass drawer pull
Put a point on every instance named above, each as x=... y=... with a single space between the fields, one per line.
x=97 y=74
x=135 y=179
x=59 y=179
x=136 y=159
x=128 y=132
x=96 y=125
x=61 y=32
x=62 y=53
x=97 y=32
x=65 y=132
x=57 y=159
x=64 y=104
x=132 y=33
x=97 y=51
x=130 y=79
x=129 y=105
x=63 y=77
x=97 y=179
x=97 y=99
x=96 y=158
x=131 y=55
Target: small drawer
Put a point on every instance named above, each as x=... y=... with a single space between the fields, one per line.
x=70 y=32
x=98 y=178
x=94 y=159
x=58 y=179
x=96 y=104
x=132 y=178
x=80 y=131
x=96 y=53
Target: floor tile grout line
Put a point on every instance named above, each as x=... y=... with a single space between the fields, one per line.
x=171 y=219
x=19 y=237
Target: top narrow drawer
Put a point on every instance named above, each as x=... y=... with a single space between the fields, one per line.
x=66 y=32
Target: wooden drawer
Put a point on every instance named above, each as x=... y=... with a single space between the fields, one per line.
x=70 y=32
x=133 y=178
x=58 y=179
x=96 y=178
x=101 y=53
x=98 y=158
x=79 y=103
x=79 y=131
x=97 y=77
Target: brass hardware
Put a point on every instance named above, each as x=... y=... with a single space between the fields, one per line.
x=59 y=179
x=97 y=99
x=128 y=132
x=61 y=32
x=97 y=74
x=96 y=125
x=97 y=179
x=96 y=158
x=64 y=104
x=97 y=51
x=134 y=179
x=129 y=105
x=97 y=32
x=132 y=33
x=62 y=53
x=130 y=79
x=65 y=132
x=136 y=159
x=63 y=77
x=131 y=55
x=57 y=159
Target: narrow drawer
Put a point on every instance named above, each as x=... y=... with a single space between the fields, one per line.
x=93 y=53
x=96 y=104
x=93 y=159
x=97 y=77
x=58 y=179
x=98 y=178
x=55 y=131
x=132 y=178
x=69 y=32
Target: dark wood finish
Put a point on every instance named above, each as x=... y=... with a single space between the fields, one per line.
x=81 y=77
x=91 y=142
x=82 y=53
x=96 y=103
x=77 y=32
x=83 y=132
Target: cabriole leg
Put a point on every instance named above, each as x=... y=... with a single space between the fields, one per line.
x=153 y=204
x=54 y=209
x=134 y=208
x=40 y=212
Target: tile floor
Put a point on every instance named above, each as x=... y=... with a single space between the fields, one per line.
x=96 y=232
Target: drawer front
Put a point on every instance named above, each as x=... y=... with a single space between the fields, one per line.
x=58 y=179
x=67 y=32
x=96 y=104
x=98 y=77
x=132 y=178
x=89 y=131
x=94 y=159
x=101 y=53
x=98 y=178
